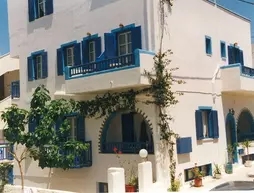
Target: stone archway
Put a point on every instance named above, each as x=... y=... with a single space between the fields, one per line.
x=128 y=131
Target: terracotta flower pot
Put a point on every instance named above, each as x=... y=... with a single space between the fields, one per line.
x=198 y=182
x=130 y=188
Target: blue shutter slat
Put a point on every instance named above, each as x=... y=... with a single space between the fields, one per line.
x=210 y=124
x=215 y=124
x=30 y=69
x=97 y=47
x=31 y=11
x=44 y=65
x=77 y=54
x=230 y=55
x=49 y=7
x=80 y=128
x=110 y=45
x=60 y=61
x=241 y=58
x=85 y=52
x=199 y=125
x=136 y=38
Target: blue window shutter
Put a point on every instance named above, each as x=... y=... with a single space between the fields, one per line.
x=215 y=124
x=136 y=38
x=31 y=11
x=80 y=128
x=230 y=55
x=10 y=176
x=30 y=68
x=44 y=65
x=210 y=124
x=77 y=54
x=85 y=52
x=31 y=126
x=110 y=45
x=60 y=61
x=199 y=125
x=128 y=127
x=49 y=7
x=241 y=58
x=97 y=47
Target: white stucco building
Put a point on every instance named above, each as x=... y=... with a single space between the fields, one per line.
x=82 y=48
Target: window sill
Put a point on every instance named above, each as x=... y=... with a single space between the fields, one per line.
x=210 y=55
x=223 y=58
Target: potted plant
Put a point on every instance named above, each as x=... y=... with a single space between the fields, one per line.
x=246 y=145
x=229 y=164
x=198 y=175
x=131 y=177
x=217 y=171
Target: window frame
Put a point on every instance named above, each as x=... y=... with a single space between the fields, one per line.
x=206 y=122
x=102 y=185
x=73 y=126
x=223 y=52
x=208 y=45
x=68 y=57
x=208 y=171
x=43 y=3
x=38 y=75
x=127 y=44
x=93 y=52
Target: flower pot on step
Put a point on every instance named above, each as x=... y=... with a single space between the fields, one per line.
x=198 y=182
x=218 y=176
x=229 y=168
x=248 y=163
x=130 y=188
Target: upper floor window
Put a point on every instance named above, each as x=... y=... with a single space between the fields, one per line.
x=223 y=49
x=37 y=66
x=124 y=43
x=206 y=123
x=92 y=51
x=39 y=8
x=73 y=127
x=208 y=45
x=235 y=55
x=69 y=56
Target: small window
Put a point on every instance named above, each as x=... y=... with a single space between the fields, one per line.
x=223 y=50
x=92 y=53
x=103 y=187
x=208 y=45
x=38 y=68
x=41 y=8
x=69 y=56
x=205 y=169
x=73 y=125
x=124 y=43
x=205 y=120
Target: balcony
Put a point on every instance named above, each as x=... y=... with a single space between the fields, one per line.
x=113 y=73
x=127 y=147
x=15 y=89
x=237 y=78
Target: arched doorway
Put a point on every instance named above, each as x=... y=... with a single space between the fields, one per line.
x=244 y=125
x=128 y=131
x=231 y=134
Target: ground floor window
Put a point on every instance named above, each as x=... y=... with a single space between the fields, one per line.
x=102 y=187
x=206 y=171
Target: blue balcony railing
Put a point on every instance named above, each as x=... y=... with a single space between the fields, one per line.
x=5 y=152
x=102 y=65
x=127 y=147
x=247 y=71
x=85 y=160
x=15 y=89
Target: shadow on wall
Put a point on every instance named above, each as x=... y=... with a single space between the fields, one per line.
x=95 y=4
x=43 y=22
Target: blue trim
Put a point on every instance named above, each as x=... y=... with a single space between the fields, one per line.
x=205 y=108
x=137 y=53
x=68 y=44
x=90 y=37
x=120 y=29
x=230 y=66
x=240 y=151
x=37 y=52
x=208 y=49
x=223 y=50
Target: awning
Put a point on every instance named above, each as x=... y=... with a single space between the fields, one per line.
x=8 y=64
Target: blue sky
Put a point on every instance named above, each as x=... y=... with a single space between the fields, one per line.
x=235 y=5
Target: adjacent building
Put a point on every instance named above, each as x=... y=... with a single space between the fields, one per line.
x=80 y=49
